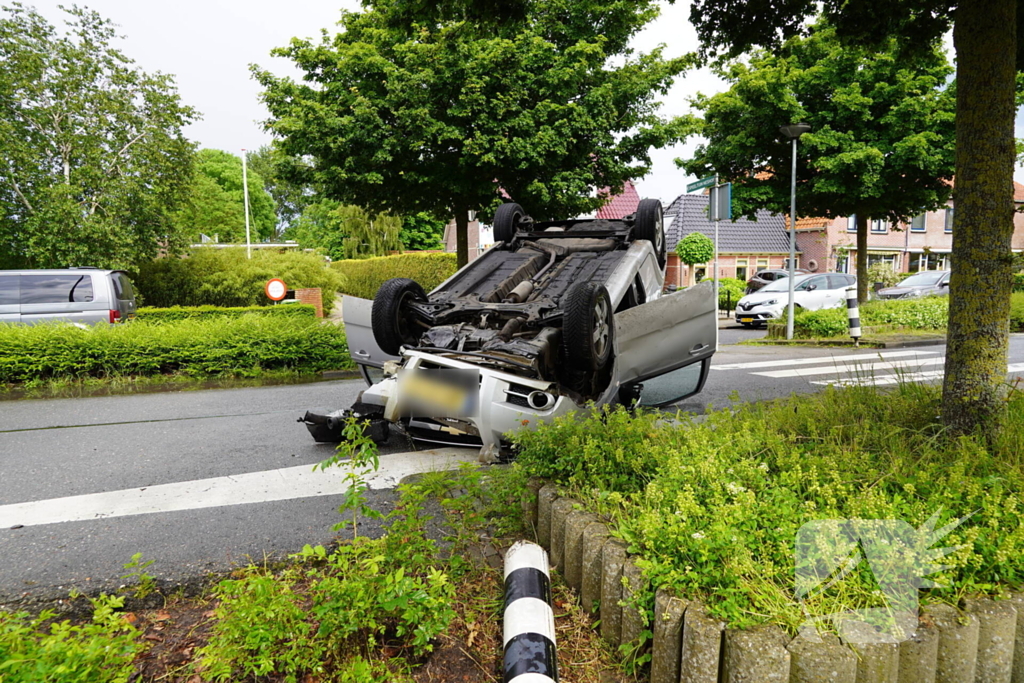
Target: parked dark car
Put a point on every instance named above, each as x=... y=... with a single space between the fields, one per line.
x=764 y=277
x=919 y=284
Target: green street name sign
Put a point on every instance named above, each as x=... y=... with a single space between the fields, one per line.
x=701 y=184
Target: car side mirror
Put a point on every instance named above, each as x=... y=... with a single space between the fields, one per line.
x=811 y=288
x=944 y=284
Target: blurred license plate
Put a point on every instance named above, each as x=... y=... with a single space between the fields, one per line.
x=746 y=320
x=449 y=393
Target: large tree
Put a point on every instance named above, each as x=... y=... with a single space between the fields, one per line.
x=442 y=115
x=94 y=162
x=988 y=51
x=290 y=198
x=216 y=204
x=345 y=232
x=882 y=126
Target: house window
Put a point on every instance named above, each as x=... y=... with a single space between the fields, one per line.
x=785 y=263
x=700 y=273
x=949 y=219
x=851 y=223
x=879 y=226
x=933 y=261
x=762 y=263
x=887 y=259
x=917 y=223
x=843 y=263
x=741 y=268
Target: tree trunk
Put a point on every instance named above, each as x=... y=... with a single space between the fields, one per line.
x=862 y=257
x=461 y=236
x=985 y=37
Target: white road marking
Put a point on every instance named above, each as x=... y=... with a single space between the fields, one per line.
x=238 y=489
x=853 y=367
x=899 y=378
x=812 y=361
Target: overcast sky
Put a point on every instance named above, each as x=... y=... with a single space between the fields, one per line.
x=207 y=45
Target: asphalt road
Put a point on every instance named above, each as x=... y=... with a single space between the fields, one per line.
x=200 y=481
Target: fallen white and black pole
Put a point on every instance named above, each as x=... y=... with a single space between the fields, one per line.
x=853 y=313
x=529 y=628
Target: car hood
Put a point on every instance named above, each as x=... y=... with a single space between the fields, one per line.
x=761 y=297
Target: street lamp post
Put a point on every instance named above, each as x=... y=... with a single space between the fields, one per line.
x=793 y=131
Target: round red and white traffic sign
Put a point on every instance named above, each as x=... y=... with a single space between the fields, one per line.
x=276 y=289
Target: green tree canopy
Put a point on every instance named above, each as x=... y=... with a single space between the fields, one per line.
x=421 y=231
x=217 y=204
x=438 y=116
x=881 y=140
x=989 y=53
x=695 y=248
x=94 y=161
x=290 y=198
x=346 y=232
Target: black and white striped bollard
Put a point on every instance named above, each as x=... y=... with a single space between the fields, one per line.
x=853 y=313
x=529 y=628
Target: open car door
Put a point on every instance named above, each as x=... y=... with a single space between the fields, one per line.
x=666 y=345
x=362 y=346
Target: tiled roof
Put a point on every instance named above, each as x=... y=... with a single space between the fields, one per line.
x=765 y=235
x=621 y=205
x=808 y=223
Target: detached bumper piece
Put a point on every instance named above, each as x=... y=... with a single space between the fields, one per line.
x=327 y=427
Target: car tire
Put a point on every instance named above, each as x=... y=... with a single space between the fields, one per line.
x=506 y=221
x=588 y=326
x=392 y=322
x=650 y=226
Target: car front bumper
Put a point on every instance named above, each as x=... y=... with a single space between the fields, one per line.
x=758 y=314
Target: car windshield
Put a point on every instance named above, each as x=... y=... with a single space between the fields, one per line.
x=781 y=285
x=926 y=279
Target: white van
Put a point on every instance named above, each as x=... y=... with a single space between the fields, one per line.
x=86 y=296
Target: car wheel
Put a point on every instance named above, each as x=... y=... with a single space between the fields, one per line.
x=650 y=226
x=393 y=323
x=506 y=221
x=588 y=326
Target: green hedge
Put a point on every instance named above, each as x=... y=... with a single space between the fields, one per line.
x=363 y=277
x=175 y=313
x=242 y=346
x=925 y=313
x=1018 y=282
x=712 y=510
x=730 y=291
x=225 y=277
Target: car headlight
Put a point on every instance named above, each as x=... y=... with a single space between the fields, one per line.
x=912 y=294
x=770 y=302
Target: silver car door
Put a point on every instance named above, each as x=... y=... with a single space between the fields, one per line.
x=671 y=332
x=10 y=303
x=355 y=313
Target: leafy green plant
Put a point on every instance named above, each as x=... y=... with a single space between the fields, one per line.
x=225 y=277
x=883 y=273
x=363 y=277
x=730 y=290
x=244 y=346
x=145 y=583
x=42 y=650
x=695 y=248
x=712 y=509
x=1017 y=312
x=925 y=313
x=152 y=314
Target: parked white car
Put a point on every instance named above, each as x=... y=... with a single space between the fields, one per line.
x=810 y=292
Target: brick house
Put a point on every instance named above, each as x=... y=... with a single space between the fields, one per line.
x=744 y=246
x=923 y=244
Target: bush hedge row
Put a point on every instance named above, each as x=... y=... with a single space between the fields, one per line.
x=363 y=277
x=926 y=313
x=225 y=277
x=242 y=346
x=151 y=314
x=713 y=510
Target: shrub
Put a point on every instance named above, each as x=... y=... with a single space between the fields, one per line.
x=40 y=650
x=1017 y=312
x=151 y=314
x=242 y=346
x=925 y=313
x=730 y=290
x=695 y=248
x=713 y=509
x=225 y=277
x=1018 y=282
x=363 y=277
x=884 y=273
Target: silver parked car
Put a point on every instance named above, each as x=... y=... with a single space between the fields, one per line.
x=919 y=284
x=556 y=316
x=81 y=296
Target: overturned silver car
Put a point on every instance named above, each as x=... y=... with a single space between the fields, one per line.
x=557 y=316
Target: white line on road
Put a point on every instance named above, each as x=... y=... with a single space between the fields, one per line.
x=900 y=377
x=853 y=367
x=812 y=361
x=238 y=489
